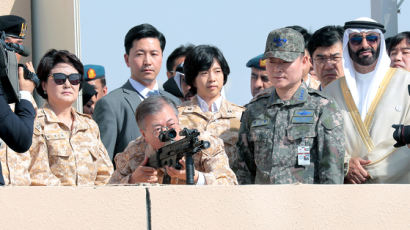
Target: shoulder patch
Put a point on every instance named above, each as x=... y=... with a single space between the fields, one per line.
x=317 y=92
x=84 y=115
x=237 y=106
x=37 y=127
x=331 y=117
x=328 y=122
x=264 y=94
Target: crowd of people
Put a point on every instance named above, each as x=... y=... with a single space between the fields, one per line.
x=324 y=110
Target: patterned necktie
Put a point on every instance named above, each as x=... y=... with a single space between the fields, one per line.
x=152 y=93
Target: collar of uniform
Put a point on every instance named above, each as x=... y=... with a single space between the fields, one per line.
x=192 y=106
x=215 y=107
x=297 y=98
x=225 y=109
x=51 y=117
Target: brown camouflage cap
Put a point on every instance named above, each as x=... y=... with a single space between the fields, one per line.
x=285 y=43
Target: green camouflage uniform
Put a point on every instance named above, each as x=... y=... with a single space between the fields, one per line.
x=272 y=130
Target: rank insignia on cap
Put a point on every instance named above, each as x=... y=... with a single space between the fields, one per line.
x=279 y=42
x=23 y=30
x=257 y=62
x=13 y=26
x=91 y=73
x=262 y=63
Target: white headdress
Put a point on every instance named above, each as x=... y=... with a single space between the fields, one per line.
x=357 y=26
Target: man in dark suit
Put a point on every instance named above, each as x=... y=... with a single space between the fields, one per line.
x=115 y=113
x=16 y=128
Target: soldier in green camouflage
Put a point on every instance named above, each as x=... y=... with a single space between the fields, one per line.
x=289 y=133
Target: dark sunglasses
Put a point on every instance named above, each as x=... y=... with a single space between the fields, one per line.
x=357 y=40
x=60 y=78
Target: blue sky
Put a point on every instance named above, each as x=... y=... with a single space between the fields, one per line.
x=239 y=28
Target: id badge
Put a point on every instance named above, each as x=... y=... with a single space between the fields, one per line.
x=303 y=155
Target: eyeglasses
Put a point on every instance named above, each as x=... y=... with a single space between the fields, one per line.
x=357 y=40
x=60 y=78
x=325 y=59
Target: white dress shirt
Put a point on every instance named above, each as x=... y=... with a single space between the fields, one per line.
x=216 y=105
x=141 y=89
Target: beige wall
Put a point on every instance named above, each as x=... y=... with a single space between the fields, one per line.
x=21 y=8
x=208 y=207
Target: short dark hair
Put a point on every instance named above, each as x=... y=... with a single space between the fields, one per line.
x=51 y=59
x=325 y=37
x=200 y=58
x=178 y=52
x=103 y=82
x=143 y=31
x=152 y=105
x=306 y=35
x=394 y=41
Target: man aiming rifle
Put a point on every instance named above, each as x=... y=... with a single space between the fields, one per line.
x=154 y=115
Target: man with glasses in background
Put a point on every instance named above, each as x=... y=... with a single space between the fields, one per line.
x=372 y=97
x=325 y=48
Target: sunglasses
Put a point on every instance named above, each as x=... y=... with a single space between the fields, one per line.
x=357 y=40
x=60 y=78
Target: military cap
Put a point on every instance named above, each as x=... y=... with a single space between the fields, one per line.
x=285 y=43
x=92 y=72
x=258 y=62
x=88 y=92
x=13 y=26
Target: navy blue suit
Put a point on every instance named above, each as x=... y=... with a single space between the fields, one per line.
x=16 y=129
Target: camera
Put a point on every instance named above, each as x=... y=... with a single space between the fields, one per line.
x=401 y=134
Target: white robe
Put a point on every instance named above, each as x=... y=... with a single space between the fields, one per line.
x=389 y=164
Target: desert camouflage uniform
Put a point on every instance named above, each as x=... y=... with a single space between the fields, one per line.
x=61 y=156
x=212 y=162
x=272 y=130
x=15 y=165
x=224 y=124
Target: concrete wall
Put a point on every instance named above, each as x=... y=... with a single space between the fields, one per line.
x=208 y=207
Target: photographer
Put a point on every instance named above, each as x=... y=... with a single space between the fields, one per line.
x=153 y=115
x=16 y=128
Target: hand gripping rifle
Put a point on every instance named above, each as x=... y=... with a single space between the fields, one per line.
x=171 y=154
